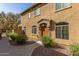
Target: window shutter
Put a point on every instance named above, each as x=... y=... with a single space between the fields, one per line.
x=52 y=25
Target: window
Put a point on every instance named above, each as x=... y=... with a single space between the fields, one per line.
x=34 y=29
x=24 y=30
x=29 y=15
x=37 y=12
x=58 y=32
x=62 y=31
x=62 y=5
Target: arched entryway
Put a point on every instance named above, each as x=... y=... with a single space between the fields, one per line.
x=43 y=29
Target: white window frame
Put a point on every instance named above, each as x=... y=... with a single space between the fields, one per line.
x=61 y=7
x=37 y=12
x=33 y=30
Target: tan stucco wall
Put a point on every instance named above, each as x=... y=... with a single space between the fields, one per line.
x=70 y=15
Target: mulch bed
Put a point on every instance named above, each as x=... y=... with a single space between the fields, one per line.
x=26 y=43
x=42 y=51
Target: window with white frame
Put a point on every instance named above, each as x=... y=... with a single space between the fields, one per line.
x=62 y=31
x=37 y=12
x=29 y=15
x=62 y=5
x=34 y=29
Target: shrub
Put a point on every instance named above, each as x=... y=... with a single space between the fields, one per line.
x=18 y=38
x=12 y=35
x=21 y=39
x=46 y=40
x=74 y=50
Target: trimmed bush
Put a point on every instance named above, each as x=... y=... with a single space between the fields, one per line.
x=18 y=38
x=12 y=35
x=47 y=40
x=74 y=50
x=21 y=39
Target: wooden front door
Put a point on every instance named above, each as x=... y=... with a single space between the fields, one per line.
x=44 y=30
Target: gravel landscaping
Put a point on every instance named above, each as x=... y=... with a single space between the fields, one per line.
x=42 y=51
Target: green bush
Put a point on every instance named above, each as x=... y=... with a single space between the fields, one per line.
x=74 y=49
x=18 y=38
x=46 y=40
x=21 y=39
x=12 y=35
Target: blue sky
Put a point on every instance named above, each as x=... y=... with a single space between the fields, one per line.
x=14 y=7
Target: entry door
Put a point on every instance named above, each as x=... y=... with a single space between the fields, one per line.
x=45 y=32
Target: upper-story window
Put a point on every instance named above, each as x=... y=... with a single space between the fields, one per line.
x=62 y=5
x=29 y=15
x=37 y=12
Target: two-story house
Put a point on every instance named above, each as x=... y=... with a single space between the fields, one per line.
x=58 y=20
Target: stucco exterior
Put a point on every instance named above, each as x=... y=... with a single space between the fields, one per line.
x=48 y=12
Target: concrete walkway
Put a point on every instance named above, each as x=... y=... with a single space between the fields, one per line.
x=6 y=49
